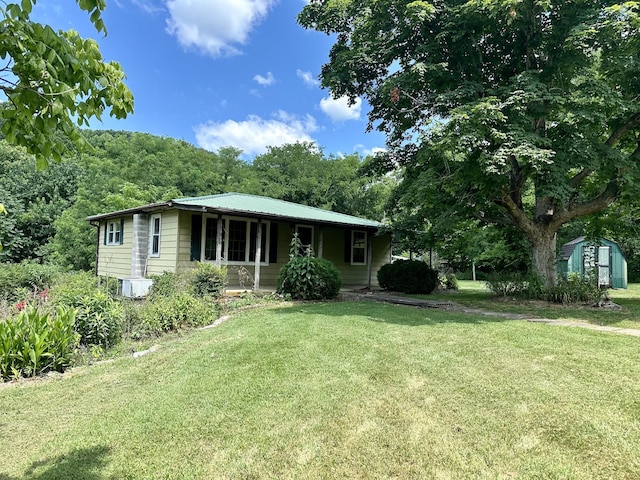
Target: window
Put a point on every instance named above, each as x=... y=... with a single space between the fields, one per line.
x=305 y=235
x=155 y=236
x=210 y=239
x=113 y=234
x=238 y=240
x=358 y=247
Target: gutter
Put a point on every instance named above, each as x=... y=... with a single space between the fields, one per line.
x=97 y=225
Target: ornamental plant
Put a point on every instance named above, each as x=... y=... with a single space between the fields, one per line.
x=37 y=341
x=306 y=277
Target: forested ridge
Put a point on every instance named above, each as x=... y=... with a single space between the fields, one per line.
x=47 y=209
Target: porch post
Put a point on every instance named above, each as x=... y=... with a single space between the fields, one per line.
x=320 y=241
x=256 y=273
x=369 y=257
x=219 y=241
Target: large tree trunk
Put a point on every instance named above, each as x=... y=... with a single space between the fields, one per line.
x=543 y=249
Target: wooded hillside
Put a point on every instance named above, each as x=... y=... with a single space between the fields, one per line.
x=47 y=209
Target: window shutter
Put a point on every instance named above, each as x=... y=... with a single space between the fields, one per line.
x=121 y=231
x=196 y=238
x=273 y=243
x=347 y=246
x=106 y=227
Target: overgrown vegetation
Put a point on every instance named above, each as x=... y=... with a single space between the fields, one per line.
x=574 y=288
x=37 y=340
x=65 y=318
x=305 y=277
x=19 y=280
x=408 y=276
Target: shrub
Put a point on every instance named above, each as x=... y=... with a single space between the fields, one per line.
x=17 y=280
x=448 y=281
x=70 y=288
x=305 y=277
x=176 y=312
x=99 y=320
x=163 y=285
x=408 y=276
x=208 y=280
x=508 y=286
x=573 y=289
x=328 y=282
x=36 y=341
x=99 y=316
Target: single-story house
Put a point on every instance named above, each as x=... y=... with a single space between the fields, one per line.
x=604 y=256
x=249 y=234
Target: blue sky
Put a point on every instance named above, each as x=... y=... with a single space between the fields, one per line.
x=222 y=72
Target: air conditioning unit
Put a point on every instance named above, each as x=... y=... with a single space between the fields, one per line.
x=135 y=287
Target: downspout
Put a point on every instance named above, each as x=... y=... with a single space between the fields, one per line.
x=369 y=258
x=97 y=244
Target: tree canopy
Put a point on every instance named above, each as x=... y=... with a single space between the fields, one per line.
x=520 y=113
x=55 y=81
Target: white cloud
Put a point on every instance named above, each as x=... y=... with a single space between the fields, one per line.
x=216 y=27
x=307 y=78
x=373 y=151
x=145 y=5
x=265 y=81
x=255 y=134
x=338 y=109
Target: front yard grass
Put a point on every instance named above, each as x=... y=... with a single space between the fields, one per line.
x=339 y=390
x=475 y=295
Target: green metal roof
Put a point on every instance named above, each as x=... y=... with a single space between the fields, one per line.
x=265 y=206
x=250 y=205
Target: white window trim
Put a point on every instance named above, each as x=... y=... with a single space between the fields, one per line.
x=266 y=231
x=353 y=232
x=152 y=234
x=111 y=234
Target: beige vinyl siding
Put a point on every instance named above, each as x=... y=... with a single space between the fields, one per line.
x=167 y=260
x=115 y=260
x=355 y=275
x=381 y=255
x=184 y=240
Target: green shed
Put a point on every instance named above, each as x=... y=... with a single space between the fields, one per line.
x=582 y=256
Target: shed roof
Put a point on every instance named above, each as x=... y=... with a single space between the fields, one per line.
x=569 y=247
x=249 y=205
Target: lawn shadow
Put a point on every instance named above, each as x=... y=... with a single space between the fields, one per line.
x=79 y=464
x=385 y=312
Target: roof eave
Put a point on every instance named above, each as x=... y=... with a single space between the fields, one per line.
x=130 y=211
x=154 y=207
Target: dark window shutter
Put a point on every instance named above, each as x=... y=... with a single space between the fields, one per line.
x=196 y=237
x=347 y=246
x=273 y=243
x=106 y=227
x=121 y=231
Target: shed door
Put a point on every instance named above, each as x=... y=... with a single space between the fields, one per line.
x=604 y=266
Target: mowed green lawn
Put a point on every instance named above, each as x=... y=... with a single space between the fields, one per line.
x=339 y=390
x=476 y=295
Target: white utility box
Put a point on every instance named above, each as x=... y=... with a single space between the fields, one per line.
x=135 y=287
